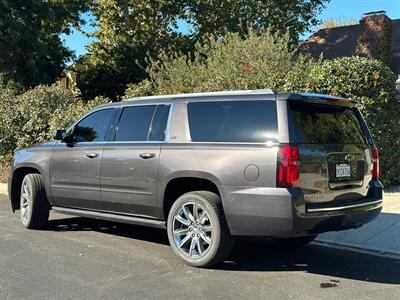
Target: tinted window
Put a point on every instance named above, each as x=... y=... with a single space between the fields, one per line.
x=134 y=123
x=157 y=130
x=233 y=121
x=94 y=127
x=319 y=124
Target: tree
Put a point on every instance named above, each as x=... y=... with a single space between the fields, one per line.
x=129 y=32
x=221 y=16
x=132 y=31
x=31 y=51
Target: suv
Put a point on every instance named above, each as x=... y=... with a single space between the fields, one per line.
x=208 y=167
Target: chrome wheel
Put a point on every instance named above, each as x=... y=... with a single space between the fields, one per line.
x=192 y=230
x=26 y=201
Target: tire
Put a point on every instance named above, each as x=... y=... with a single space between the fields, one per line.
x=35 y=208
x=209 y=237
x=295 y=242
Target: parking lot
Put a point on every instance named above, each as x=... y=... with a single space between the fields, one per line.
x=90 y=259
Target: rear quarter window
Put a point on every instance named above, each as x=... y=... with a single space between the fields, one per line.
x=324 y=124
x=233 y=121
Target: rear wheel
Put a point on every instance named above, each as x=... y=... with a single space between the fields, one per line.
x=34 y=206
x=197 y=229
x=295 y=242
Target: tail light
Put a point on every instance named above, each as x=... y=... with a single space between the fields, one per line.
x=375 y=162
x=288 y=166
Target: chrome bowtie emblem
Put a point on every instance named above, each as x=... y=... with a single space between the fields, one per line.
x=349 y=157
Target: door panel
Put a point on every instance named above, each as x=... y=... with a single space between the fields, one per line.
x=75 y=166
x=129 y=181
x=129 y=167
x=75 y=177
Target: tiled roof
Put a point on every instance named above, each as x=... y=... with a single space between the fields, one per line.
x=342 y=41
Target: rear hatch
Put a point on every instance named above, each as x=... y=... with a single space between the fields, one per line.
x=335 y=155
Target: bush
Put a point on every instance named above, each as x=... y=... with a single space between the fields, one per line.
x=8 y=122
x=35 y=115
x=35 y=108
x=63 y=117
x=260 y=61
x=371 y=83
x=266 y=61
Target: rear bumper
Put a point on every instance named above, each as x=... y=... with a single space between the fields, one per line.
x=280 y=212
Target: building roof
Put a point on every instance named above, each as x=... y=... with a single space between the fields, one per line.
x=342 y=41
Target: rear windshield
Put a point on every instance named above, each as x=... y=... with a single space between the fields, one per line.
x=323 y=124
x=233 y=121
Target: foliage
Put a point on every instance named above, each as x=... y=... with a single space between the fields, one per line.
x=266 y=61
x=371 y=83
x=131 y=31
x=8 y=121
x=63 y=117
x=128 y=32
x=293 y=17
x=35 y=115
x=31 y=51
x=259 y=61
x=34 y=110
x=337 y=22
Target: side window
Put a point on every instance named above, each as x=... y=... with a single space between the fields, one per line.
x=94 y=127
x=159 y=124
x=233 y=121
x=134 y=123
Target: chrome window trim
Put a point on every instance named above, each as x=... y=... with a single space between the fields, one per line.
x=87 y=115
x=166 y=137
x=121 y=142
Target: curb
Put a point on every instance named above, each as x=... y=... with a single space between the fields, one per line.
x=3 y=189
x=348 y=247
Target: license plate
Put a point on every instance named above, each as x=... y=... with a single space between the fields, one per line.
x=342 y=170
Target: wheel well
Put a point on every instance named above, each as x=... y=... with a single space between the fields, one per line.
x=17 y=178
x=179 y=186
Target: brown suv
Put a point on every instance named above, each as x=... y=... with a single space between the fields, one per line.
x=208 y=167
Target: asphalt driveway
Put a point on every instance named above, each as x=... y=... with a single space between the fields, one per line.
x=89 y=259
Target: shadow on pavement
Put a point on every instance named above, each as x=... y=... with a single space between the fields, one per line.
x=261 y=254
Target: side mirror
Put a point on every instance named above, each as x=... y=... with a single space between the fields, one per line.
x=69 y=139
x=59 y=135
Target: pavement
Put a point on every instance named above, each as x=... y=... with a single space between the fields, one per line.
x=380 y=237
x=77 y=258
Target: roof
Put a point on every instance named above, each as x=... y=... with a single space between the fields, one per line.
x=205 y=94
x=260 y=92
x=342 y=41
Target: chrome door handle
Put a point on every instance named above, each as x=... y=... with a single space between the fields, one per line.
x=147 y=155
x=92 y=155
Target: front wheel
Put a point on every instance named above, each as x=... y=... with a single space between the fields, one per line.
x=35 y=208
x=197 y=229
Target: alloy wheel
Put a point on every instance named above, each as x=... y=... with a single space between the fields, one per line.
x=26 y=201
x=192 y=230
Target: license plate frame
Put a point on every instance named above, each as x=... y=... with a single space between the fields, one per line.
x=342 y=170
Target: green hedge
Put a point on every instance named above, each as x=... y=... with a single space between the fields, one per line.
x=35 y=115
x=265 y=61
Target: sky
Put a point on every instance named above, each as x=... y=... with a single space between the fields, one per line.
x=337 y=9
